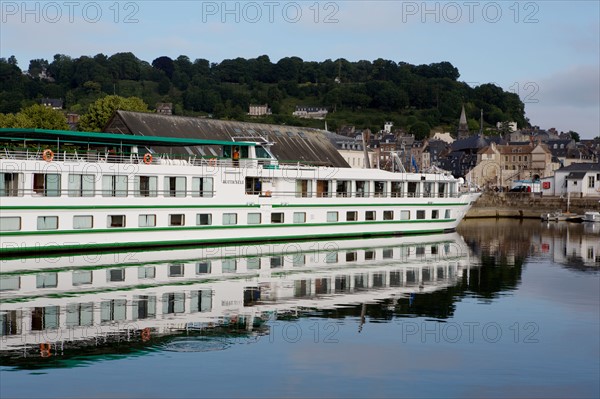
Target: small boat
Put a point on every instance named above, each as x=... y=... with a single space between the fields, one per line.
x=591 y=217
x=558 y=216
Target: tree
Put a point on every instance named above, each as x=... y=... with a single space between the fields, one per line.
x=420 y=130
x=575 y=136
x=100 y=112
x=164 y=64
x=36 y=116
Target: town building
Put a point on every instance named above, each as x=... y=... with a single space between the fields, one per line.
x=577 y=180
x=303 y=111
x=259 y=110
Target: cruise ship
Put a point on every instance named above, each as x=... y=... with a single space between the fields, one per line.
x=83 y=191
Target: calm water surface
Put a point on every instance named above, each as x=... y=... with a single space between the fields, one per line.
x=499 y=309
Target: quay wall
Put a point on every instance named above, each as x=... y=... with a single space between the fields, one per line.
x=527 y=205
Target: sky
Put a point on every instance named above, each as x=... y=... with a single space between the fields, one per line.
x=548 y=52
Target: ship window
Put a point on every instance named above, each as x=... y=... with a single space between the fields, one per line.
x=370 y=215
x=9 y=185
x=420 y=214
x=447 y=214
x=113 y=310
x=396 y=189
x=229 y=218
x=46 y=184
x=203 y=219
x=343 y=188
x=351 y=256
x=203 y=267
x=116 y=220
x=229 y=266
x=10 y=223
x=413 y=189
x=299 y=217
x=361 y=189
x=47 y=222
x=388 y=215
x=46 y=280
x=82 y=277
x=253 y=186
x=45 y=318
x=202 y=187
x=332 y=216
x=380 y=189
x=276 y=262
x=331 y=257
x=146 y=272
x=147 y=220
x=277 y=217
x=435 y=214
x=351 y=216
x=114 y=186
x=83 y=222
x=253 y=263
x=9 y=283
x=81 y=185
x=404 y=215
x=176 y=270
x=254 y=218
x=428 y=189
x=173 y=303
x=442 y=189
x=145 y=186
x=175 y=186
x=177 y=220
x=298 y=260
x=388 y=253
x=369 y=255
x=201 y=301
x=323 y=188
x=116 y=274
x=303 y=188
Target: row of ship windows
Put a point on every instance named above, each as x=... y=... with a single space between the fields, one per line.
x=84 y=185
x=13 y=223
x=85 y=277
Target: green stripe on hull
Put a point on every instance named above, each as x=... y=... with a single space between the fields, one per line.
x=232 y=227
x=41 y=250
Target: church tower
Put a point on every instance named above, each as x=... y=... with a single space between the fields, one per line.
x=463 y=127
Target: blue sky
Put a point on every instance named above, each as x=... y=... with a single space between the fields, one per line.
x=546 y=51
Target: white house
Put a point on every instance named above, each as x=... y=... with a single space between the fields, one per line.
x=578 y=179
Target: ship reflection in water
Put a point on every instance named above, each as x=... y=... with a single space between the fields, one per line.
x=205 y=299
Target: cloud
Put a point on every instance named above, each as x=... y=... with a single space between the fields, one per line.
x=576 y=86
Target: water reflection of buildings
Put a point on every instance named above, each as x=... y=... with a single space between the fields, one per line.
x=572 y=245
x=55 y=305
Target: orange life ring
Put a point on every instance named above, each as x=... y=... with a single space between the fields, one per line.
x=146 y=334
x=212 y=162
x=268 y=193
x=45 y=350
x=147 y=158
x=48 y=155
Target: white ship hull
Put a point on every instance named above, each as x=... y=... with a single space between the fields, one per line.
x=68 y=203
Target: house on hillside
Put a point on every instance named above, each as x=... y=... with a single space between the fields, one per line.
x=54 y=103
x=303 y=111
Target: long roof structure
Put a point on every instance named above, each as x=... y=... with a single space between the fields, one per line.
x=291 y=143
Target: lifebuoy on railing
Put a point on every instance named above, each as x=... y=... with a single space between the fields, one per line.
x=146 y=334
x=45 y=350
x=268 y=193
x=48 y=155
x=212 y=162
x=147 y=158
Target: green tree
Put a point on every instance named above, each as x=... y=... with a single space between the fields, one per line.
x=37 y=117
x=420 y=130
x=100 y=112
x=575 y=136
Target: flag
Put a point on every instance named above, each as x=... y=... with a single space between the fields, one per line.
x=414 y=164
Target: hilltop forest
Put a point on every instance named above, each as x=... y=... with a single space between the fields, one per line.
x=363 y=93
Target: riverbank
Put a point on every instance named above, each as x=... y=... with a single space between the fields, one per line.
x=526 y=205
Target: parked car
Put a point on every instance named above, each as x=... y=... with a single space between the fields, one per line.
x=520 y=189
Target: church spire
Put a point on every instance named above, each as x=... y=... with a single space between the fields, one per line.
x=463 y=126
